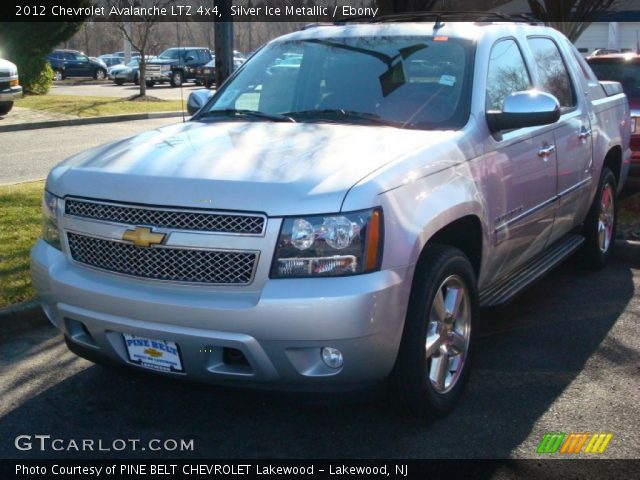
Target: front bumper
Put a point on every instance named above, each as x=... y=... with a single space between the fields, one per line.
x=10 y=94
x=280 y=330
x=127 y=77
x=158 y=76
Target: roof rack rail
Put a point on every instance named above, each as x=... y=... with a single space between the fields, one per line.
x=440 y=16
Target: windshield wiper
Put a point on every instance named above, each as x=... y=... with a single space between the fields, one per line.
x=274 y=117
x=336 y=113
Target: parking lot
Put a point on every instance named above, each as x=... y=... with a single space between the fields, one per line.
x=110 y=89
x=564 y=356
x=27 y=156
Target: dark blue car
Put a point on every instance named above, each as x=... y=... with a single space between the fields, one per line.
x=71 y=63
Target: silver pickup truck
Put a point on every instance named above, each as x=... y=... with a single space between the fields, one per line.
x=338 y=220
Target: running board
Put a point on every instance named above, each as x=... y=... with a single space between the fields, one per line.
x=507 y=288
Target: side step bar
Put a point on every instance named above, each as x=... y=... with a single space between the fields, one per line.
x=508 y=287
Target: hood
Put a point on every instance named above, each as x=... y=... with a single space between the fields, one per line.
x=162 y=61
x=275 y=168
x=6 y=65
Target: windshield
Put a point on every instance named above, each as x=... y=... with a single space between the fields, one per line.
x=627 y=72
x=171 y=54
x=133 y=63
x=402 y=81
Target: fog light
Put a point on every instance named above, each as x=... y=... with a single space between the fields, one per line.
x=332 y=357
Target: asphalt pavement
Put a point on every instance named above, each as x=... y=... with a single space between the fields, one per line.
x=563 y=357
x=30 y=154
x=110 y=89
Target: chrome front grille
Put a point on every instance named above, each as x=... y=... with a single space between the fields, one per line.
x=164 y=263
x=167 y=218
x=152 y=68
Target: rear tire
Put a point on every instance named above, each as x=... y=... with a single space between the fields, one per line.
x=437 y=344
x=149 y=84
x=600 y=226
x=100 y=74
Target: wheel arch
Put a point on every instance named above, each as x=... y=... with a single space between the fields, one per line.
x=613 y=161
x=465 y=234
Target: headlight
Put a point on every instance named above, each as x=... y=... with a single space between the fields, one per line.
x=329 y=245
x=50 y=209
x=207 y=70
x=165 y=68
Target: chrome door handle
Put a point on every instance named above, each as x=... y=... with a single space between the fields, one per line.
x=547 y=150
x=584 y=133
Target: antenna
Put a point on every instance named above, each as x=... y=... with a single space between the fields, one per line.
x=181 y=57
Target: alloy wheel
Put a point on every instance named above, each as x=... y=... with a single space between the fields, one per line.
x=448 y=334
x=606 y=218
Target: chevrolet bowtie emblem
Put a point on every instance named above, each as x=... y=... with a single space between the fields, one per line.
x=143 y=237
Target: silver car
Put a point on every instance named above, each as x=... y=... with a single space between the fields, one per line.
x=339 y=222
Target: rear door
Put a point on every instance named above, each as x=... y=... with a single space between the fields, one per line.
x=572 y=133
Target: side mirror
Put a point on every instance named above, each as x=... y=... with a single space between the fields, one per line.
x=529 y=108
x=189 y=59
x=197 y=99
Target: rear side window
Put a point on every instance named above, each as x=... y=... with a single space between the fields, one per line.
x=552 y=71
x=507 y=73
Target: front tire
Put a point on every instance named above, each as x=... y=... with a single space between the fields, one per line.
x=5 y=107
x=149 y=84
x=600 y=226
x=177 y=79
x=435 y=354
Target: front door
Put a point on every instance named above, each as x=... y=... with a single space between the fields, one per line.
x=521 y=169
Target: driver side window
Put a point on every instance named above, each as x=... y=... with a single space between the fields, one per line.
x=507 y=73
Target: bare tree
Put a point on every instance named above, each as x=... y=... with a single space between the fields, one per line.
x=571 y=17
x=139 y=29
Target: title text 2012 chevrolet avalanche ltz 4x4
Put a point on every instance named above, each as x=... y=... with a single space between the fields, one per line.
x=340 y=222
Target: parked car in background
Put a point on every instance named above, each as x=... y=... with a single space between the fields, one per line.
x=72 y=63
x=176 y=65
x=290 y=63
x=122 y=54
x=206 y=75
x=10 y=88
x=129 y=72
x=625 y=68
x=603 y=51
x=339 y=225
x=111 y=60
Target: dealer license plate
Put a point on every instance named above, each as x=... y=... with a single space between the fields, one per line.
x=156 y=354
